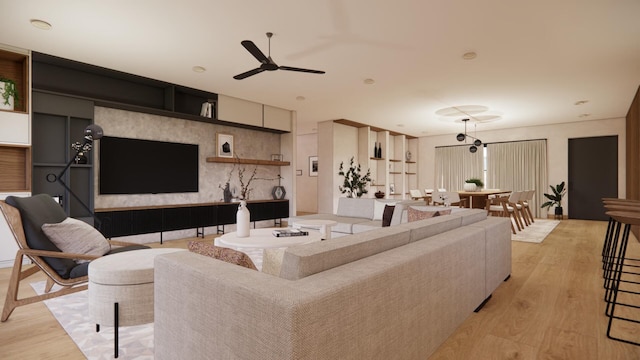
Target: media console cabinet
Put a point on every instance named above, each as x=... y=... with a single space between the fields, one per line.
x=125 y=221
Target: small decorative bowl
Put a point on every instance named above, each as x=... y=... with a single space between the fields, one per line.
x=379 y=194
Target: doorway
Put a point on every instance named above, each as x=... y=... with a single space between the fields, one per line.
x=593 y=174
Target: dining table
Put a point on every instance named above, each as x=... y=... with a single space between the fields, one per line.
x=478 y=198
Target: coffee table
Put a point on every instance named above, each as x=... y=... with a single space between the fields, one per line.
x=323 y=225
x=263 y=238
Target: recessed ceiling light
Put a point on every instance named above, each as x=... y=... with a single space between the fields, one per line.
x=581 y=102
x=400 y=125
x=198 y=69
x=301 y=98
x=40 y=24
x=469 y=55
x=584 y=115
x=369 y=81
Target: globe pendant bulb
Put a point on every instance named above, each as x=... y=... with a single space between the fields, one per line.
x=477 y=142
x=460 y=137
x=473 y=149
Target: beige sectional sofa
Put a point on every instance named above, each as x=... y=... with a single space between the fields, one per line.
x=394 y=293
x=355 y=215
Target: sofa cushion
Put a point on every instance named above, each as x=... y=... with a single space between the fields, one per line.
x=356 y=207
x=36 y=211
x=422 y=229
x=77 y=237
x=221 y=253
x=414 y=214
x=346 y=225
x=366 y=226
x=379 y=206
x=304 y=260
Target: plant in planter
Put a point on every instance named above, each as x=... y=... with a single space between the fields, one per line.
x=555 y=198
x=8 y=94
x=473 y=184
x=354 y=185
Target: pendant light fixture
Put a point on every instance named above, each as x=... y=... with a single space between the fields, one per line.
x=463 y=137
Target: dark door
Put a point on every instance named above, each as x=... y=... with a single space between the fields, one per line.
x=593 y=174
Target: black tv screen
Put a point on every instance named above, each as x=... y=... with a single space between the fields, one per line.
x=134 y=166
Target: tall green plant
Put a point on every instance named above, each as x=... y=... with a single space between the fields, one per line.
x=556 y=197
x=354 y=184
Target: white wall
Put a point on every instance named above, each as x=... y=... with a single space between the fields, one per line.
x=307 y=197
x=557 y=147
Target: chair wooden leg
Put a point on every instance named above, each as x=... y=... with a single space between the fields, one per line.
x=49 y=285
x=17 y=275
x=530 y=215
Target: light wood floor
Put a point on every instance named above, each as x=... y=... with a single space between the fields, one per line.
x=551 y=308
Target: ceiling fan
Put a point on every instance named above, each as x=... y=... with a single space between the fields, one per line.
x=266 y=63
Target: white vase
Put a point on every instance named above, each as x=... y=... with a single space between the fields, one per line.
x=243 y=219
x=4 y=106
x=470 y=187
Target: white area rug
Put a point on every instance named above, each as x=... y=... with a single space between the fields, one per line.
x=72 y=312
x=535 y=232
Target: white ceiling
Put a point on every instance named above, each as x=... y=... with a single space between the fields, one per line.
x=535 y=59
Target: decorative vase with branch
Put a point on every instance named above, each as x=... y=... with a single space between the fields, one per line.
x=354 y=184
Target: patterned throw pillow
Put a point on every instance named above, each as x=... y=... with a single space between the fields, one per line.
x=415 y=214
x=222 y=253
x=387 y=215
x=77 y=237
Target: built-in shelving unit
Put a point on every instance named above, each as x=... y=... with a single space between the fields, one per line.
x=15 y=140
x=247 y=161
x=391 y=167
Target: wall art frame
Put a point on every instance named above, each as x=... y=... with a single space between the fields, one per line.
x=313 y=166
x=224 y=145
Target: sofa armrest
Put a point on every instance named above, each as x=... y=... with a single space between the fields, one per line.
x=207 y=308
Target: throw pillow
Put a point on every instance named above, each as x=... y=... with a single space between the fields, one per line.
x=387 y=215
x=77 y=237
x=222 y=253
x=444 y=212
x=415 y=214
x=378 y=208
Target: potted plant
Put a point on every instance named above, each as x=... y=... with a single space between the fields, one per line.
x=473 y=184
x=555 y=198
x=8 y=94
x=354 y=185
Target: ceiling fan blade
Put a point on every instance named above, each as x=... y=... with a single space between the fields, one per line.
x=248 y=73
x=301 y=70
x=253 y=49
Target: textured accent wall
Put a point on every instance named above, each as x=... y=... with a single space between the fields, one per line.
x=251 y=144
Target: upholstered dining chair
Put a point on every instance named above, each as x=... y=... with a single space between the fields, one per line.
x=448 y=197
x=498 y=206
x=25 y=218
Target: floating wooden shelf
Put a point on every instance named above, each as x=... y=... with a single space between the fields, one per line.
x=410 y=173
x=247 y=161
x=410 y=162
x=394 y=172
x=374 y=158
x=394 y=160
x=377 y=185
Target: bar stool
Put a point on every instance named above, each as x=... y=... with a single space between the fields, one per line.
x=628 y=218
x=611 y=242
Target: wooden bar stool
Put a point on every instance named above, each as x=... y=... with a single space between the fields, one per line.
x=628 y=219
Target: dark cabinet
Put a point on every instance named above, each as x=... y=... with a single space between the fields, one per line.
x=122 y=222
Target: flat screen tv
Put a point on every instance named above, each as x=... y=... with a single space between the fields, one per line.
x=134 y=166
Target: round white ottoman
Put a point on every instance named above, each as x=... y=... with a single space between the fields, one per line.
x=125 y=278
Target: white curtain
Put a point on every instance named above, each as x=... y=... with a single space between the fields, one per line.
x=455 y=164
x=519 y=165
